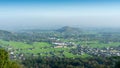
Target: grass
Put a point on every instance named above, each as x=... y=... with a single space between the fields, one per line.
x=101 y=45
x=96 y=44
x=70 y=55
x=41 y=44
x=44 y=47
x=37 y=47
x=20 y=45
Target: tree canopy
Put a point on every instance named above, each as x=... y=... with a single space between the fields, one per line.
x=5 y=62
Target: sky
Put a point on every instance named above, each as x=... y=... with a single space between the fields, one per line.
x=18 y=14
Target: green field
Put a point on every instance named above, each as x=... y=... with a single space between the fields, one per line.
x=43 y=47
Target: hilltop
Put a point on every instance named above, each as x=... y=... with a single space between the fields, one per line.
x=68 y=29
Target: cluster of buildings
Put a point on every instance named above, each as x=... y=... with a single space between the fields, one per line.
x=63 y=44
x=103 y=52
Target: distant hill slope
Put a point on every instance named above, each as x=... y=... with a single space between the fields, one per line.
x=67 y=29
x=6 y=34
x=4 y=31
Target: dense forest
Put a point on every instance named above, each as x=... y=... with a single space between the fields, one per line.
x=56 y=62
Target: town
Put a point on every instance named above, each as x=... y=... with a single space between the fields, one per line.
x=66 y=42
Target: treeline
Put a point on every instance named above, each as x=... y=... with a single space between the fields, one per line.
x=39 y=36
x=56 y=62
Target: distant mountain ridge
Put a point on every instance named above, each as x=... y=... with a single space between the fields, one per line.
x=68 y=29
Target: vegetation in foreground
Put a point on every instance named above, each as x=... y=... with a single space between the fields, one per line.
x=56 y=62
x=5 y=62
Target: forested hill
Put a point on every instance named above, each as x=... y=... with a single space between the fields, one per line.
x=3 y=32
x=67 y=29
x=6 y=35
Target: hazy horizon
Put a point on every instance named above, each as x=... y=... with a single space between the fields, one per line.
x=49 y=14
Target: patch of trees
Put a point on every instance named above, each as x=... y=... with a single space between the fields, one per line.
x=56 y=62
x=5 y=62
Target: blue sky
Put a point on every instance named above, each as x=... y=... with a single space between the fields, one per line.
x=51 y=13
